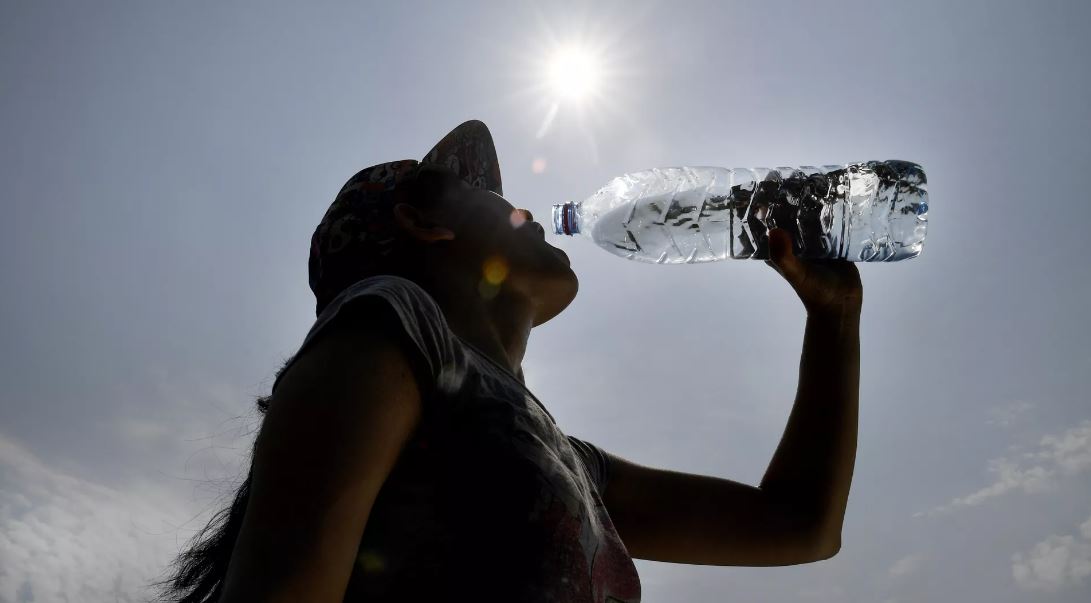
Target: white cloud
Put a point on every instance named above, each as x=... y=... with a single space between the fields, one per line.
x=1069 y=451
x=65 y=538
x=1009 y=414
x=1064 y=454
x=1055 y=563
x=905 y=566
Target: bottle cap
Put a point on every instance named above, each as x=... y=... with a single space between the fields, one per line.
x=564 y=219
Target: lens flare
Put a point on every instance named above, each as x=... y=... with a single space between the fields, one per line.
x=495 y=270
x=371 y=562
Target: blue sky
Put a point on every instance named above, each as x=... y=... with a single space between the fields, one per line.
x=164 y=165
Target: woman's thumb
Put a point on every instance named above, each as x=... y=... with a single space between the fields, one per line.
x=780 y=251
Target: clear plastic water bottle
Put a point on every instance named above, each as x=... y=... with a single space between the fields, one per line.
x=876 y=211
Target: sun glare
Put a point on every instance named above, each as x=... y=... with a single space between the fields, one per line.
x=573 y=73
x=570 y=71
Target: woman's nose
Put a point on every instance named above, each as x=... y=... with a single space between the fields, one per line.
x=529 y=218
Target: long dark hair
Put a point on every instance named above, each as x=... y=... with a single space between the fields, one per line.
x=198 y=573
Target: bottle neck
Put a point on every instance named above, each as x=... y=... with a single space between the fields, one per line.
x=565 y=219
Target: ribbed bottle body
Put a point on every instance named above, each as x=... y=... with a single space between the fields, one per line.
x=873 y=211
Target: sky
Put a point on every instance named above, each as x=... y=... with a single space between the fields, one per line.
x=164 y=166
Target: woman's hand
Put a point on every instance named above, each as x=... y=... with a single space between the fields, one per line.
x=824 y=286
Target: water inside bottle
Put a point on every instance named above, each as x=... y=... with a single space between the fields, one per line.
x=864 y=212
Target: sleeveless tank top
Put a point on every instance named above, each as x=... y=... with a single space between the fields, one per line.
x=489 y=500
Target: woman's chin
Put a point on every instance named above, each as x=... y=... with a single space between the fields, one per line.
x=554 y=293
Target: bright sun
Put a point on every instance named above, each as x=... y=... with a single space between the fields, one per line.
x=569 y=75
x=573 y=73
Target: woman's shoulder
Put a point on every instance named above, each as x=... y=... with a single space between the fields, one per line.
x=400 y=308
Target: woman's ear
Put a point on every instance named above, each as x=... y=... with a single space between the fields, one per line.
x=413 y=221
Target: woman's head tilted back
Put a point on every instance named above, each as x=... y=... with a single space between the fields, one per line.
x=443 y=215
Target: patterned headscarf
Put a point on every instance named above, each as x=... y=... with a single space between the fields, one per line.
x=358 y=231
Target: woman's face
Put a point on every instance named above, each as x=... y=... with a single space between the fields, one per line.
x=505 y=247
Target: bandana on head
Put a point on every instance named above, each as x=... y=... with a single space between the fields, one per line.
x=358 y=230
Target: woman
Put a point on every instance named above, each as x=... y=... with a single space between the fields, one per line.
x=401 y=457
